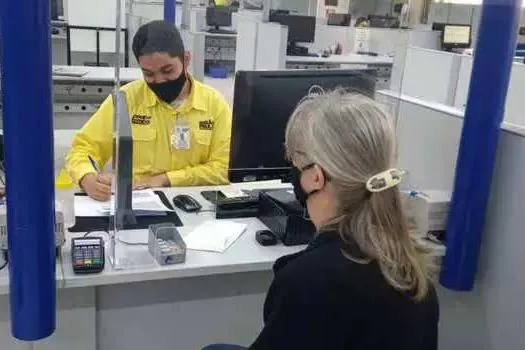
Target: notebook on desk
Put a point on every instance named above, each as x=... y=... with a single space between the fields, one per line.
x=143 y=220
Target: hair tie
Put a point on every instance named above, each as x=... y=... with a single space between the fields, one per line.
x=384 y=180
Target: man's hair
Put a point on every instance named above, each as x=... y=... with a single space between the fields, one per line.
x=158 y=36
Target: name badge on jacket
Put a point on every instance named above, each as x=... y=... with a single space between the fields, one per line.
x=181 y=136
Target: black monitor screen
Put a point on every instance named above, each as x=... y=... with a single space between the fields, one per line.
x=377 y=21
x=274 y=12
x=301 y=29
x=219 y=16
x=263 y=103
x=339 y=19
x=438 y=26
x=398 y=8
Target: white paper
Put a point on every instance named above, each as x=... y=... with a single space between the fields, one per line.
x=362 y=40
x=85 y=206
x=233 y=193
x=69 y=72
x=142 y=201
x=214 y=236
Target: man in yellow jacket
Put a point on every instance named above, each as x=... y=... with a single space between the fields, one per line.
x=181 y=128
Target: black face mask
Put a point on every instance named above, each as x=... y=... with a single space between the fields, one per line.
x=169 y=90
x=295 y=179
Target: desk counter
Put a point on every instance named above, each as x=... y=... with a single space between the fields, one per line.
x=94 y=74
x=245 y=255
x=211 y=297
x=351 y=58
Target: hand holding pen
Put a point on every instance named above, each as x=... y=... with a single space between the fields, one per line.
x=97 y=185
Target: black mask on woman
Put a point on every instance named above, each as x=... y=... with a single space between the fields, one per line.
x=169 y=90
x=295 y=178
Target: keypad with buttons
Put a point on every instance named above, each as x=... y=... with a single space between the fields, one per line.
x=87 y=254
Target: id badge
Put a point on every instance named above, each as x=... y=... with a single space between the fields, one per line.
x=180 y=138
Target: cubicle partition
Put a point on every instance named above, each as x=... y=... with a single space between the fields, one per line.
x=514 y=109
x=260 y=45
x=428 y=74
x=444 y=78
x=382 y=41
x=490 y=317
x=327 y=36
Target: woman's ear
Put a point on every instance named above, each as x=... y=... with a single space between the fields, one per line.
x=319 y=178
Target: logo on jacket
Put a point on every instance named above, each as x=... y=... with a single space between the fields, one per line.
x=141 y=119
x=206 y=125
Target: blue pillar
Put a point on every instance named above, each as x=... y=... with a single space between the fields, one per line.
x=492 y=64
x=28 y=137
x=169 y=11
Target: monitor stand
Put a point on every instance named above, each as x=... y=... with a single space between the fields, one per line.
x=295 y=50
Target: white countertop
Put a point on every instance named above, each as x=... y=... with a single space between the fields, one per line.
x=96 y=73
x=219 y=35
x=351 y=58
x=245 y=255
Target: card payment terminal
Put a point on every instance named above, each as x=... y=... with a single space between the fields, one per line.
x=87 y=254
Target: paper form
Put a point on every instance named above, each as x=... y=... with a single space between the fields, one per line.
x=143 y=200
x=214 y=236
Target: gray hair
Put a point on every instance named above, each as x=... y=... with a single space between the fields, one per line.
x=352 y=138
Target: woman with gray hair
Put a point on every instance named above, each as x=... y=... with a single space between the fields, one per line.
x=363 y=282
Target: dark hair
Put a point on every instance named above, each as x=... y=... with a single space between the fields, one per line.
x=158 y=36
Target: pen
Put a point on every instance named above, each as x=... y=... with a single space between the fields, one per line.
x=95 y=165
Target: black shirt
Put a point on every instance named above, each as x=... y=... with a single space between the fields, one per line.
x=320 y=299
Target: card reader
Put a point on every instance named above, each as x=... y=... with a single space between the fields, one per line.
x=87 y=254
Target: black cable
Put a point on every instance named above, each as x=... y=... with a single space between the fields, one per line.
x=96 y=231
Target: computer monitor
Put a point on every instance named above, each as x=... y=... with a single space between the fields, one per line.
x=339 y=19
x=219 y=16
x=301 y=29
x=274 y=12
x=456 y=36
x=379 y=21
x=263 y=103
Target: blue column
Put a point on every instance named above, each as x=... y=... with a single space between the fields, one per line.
x=28 y=137
x=492 y=64
x=169 y=10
